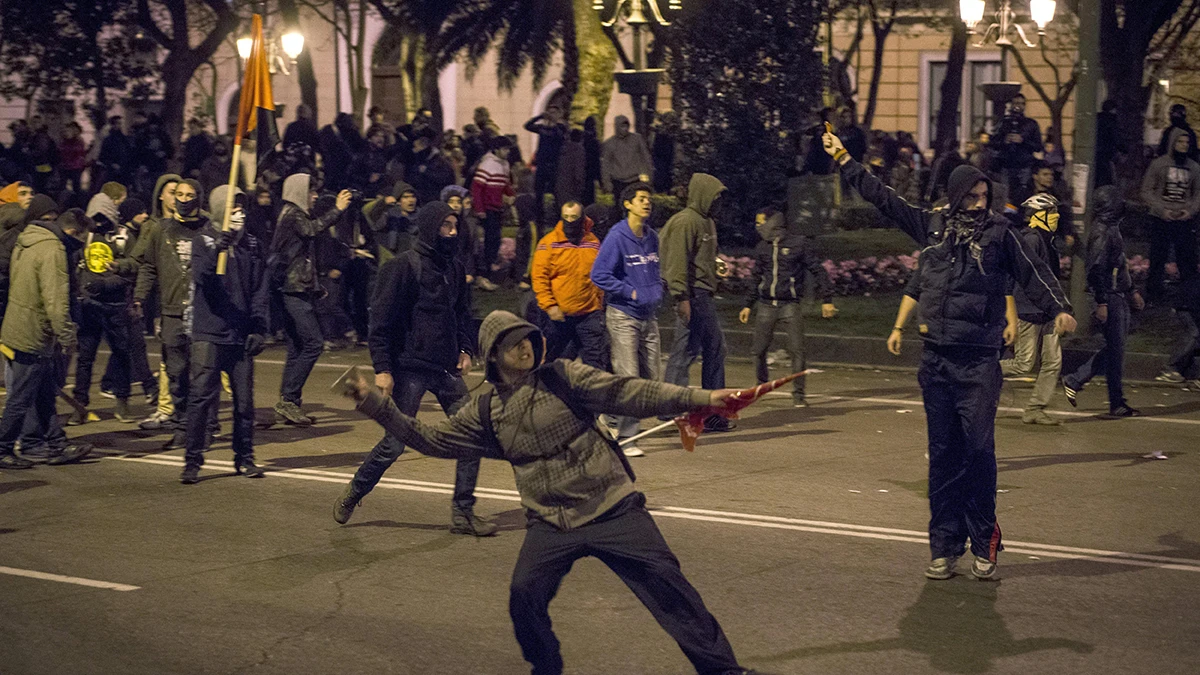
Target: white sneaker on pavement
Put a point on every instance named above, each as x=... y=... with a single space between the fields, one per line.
x=633 y=451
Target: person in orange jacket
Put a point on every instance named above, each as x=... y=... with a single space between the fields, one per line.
x=562 y=282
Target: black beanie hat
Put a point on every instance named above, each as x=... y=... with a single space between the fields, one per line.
x=130 y=208
x=39 y=207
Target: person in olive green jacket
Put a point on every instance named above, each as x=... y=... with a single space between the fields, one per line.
x=37 y=324
x=688 y=255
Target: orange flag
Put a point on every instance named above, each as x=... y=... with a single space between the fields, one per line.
x=256 y=108
x=691 y=425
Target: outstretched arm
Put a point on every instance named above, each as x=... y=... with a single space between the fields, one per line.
x=459 y=437
x=603 y=392
x=912 y=219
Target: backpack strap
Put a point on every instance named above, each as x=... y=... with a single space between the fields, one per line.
x=485 y=416
x=553 y=375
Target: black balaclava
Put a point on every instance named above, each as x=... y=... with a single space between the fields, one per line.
x=190 y=210
x=574 y=229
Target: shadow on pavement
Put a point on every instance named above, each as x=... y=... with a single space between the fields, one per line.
x=21 y=485
x=399 y=525
x=340 y=460
x=956 y=624
x=1039 y=461
x=1175 y=546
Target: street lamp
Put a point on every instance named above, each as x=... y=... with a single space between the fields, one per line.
x=244 y=45
x=292 y=43
x=640 y=83
x=972 y=11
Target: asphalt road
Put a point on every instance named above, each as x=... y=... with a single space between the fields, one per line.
x=803 y=530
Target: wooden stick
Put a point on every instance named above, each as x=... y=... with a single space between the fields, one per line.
x=223 y=256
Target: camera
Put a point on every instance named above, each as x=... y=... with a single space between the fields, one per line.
x=355 y=195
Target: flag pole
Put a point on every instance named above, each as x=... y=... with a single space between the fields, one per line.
x=246 y=103
x=644 y=434
x=223 y=256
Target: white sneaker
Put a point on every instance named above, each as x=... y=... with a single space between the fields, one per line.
x=633 y=451
x=1157 y=454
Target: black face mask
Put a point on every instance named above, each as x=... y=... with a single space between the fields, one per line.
x=573 y=230
x=187 y=209
x=447 y=246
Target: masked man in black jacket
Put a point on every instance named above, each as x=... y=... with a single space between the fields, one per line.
x=421 y=341
x=969 y=255
x=228 y=320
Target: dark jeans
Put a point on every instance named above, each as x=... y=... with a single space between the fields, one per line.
x=177 y=354
x=961 y=388
x=139 y=364
x=1184 y=357
x=208 y=362
x=451 y=393
x=113 y=324
x=304 y=345
x=32 y=387
x=1163 y=236
x=527 y=239
x=628 y=541
x=1110 y=360
x=701 y=335
x=769 y=316
x=492 y=222
x=587 y=331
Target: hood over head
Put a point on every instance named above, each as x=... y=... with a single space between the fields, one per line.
x=155 y=203
x=703 y=190
x=429 y=221
x=454 y=191
x=38 y=208
x=774 y=228
x=1176 y=132
x=216 y=202
x=504 y=329
x=1108 y=205
x=295 y=190
x=961 y=181
x=103 y=205
x=621 y=126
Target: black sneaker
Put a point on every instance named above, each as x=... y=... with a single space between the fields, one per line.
x=247 y=468
x=107 y=393
x=290 y=413
x=14 y=463
x=344 y=507
x=71 y=453
x=190 y=475
x=718 y=424
x=1071 y=393
x=1121 y=411
x=178 y=440
x=466 y=522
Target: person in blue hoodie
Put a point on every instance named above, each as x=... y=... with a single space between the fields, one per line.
x=626 y=269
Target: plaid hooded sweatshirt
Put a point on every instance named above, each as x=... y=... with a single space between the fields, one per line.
x=566 y=472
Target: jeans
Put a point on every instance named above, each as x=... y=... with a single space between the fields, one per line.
x=587 y=330
x=1036 y=342
x=701 y=335
x=961 y=388
x=635 y=353
x=331 y=313
x=209 y=360
x=1110 y=360
x=627 y=540
x=113 y=324
x=1163 y=236
x=139 y=364
x=304 y=345
x=410 y=387
x=177 y=350
x=1183 y=359
x=32 y=387
x=769 y=315
x=493 y=221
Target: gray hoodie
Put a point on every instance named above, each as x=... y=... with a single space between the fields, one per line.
x=688 y=242
x=567 y=473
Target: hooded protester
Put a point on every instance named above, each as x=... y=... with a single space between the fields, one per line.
x=133 y=215
x=576 y=487
x=37 y=326
x=1178 y=122
x=1037 y=345
x=294 y=274
x=1171 y=188
x=562 y=282
x=228 y=325
x=624 y=158
x=421 y=342
x=164 y=257
x=458 y=198
x=1112 y=289
x=38 y=207
x=103 y=211
x=107 y=278
x=969 y=254
x=393 y=224
x=780 y=262
x=689 y=268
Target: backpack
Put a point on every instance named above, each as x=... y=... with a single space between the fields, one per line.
x=553 y=377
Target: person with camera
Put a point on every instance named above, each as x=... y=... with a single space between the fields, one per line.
x=970 y=254
x=295 y=276
x=1015 y=143
x=229 y=323
x=421 y=341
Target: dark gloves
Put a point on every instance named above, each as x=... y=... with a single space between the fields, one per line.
x=225 y=239
x=255 y=342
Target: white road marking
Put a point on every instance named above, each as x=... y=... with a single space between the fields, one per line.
x=78 y=581
x=731 y=518
x=1060 y=413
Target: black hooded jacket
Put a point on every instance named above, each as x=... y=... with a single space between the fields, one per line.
x=420 y=308
x=963 y=281
x=780 y=261
x=1107 y=269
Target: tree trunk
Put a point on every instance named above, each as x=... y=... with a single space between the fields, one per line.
x=304 y=64
x=881 y=35
x=596 y=59
x=570 y=57
x=177 y=71
x=948 y=121
x=431 y=91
